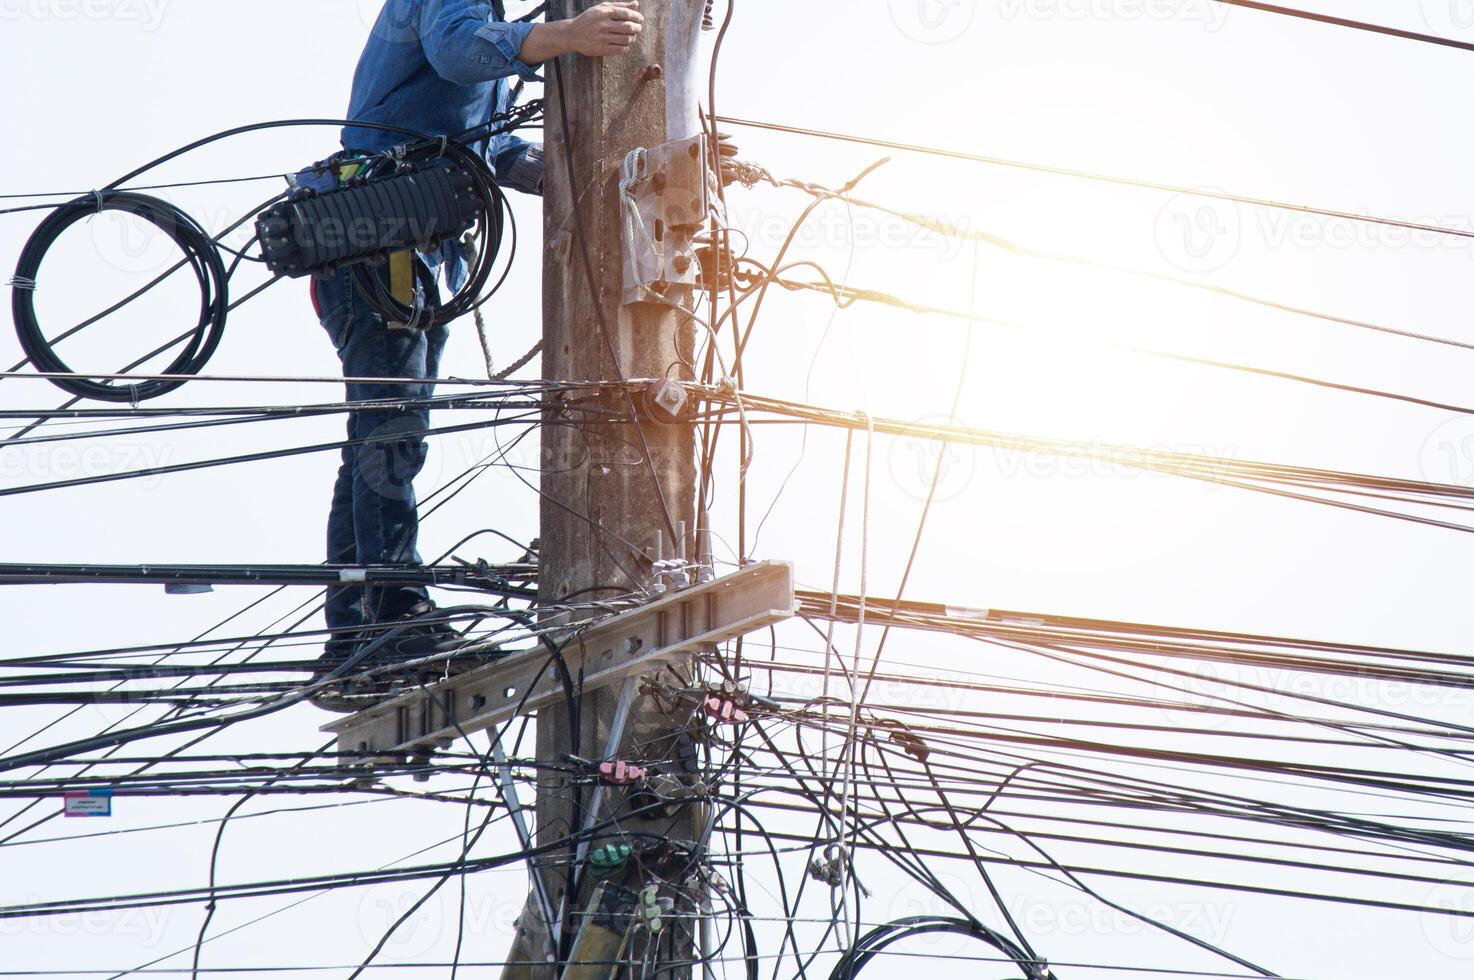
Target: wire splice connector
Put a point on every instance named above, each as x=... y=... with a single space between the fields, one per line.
x=620 y=773
x=608 y=859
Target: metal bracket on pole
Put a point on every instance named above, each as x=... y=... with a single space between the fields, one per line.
x=596 y=800
x=524 y=836
x=604 y=653
x=667 y=193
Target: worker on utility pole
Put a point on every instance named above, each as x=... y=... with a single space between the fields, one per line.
x=438 y=67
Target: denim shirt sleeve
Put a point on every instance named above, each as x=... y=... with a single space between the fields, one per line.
x=519 y=165
x=466 y=44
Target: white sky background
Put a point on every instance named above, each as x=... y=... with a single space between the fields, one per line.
x=1183 y=92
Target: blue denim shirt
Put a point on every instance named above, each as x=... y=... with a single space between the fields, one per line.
x=440 y=67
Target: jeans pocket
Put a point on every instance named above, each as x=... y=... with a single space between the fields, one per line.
x=335 y=299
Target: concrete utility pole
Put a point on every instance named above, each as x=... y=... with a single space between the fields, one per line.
x=618 y=485
x=600 y=494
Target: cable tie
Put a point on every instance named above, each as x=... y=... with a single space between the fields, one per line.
x=22 y=282
x=97 y=196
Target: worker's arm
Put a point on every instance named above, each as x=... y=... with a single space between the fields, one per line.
x=519 y=165
x=603 y=29
x=466 y=44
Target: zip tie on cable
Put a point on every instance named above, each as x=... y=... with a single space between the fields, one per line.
x=22 y=282
x=97 y=196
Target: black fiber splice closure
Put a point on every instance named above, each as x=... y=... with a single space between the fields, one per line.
x=491 y=218
x=200 y=255
x=414 y=198
x=322 y=232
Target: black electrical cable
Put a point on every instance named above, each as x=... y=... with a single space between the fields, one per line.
x=218 y=239
x=1358 y=25
x=215 y=859
x=483 y=768
x=581 y=237
x=1087 y=838
x=235 y=645
x=494 y=222
x=1199 y=190
x=200 y=254
x=870 y=945
x=262 y=456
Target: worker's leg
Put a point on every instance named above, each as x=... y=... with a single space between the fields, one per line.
x=344 y=610
x=374 y=507
x=391 y=449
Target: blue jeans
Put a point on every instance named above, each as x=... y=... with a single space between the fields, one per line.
x=373 y=519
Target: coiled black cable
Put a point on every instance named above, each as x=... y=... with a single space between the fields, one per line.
x=874 y=942
x=492 y=222
x=201 y=255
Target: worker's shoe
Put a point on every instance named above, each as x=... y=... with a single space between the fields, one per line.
x=417 y=634
x=414 y=636
x=339 y=647
x=357 y=688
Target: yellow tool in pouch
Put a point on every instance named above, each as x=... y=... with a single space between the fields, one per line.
x=402 y=276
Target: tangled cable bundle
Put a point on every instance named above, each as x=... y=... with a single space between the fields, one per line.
x=441 y=187
x=492 y=219
x=807 y=790
x=874 y=942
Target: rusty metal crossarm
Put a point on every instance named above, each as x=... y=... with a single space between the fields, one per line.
x=624 y=645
